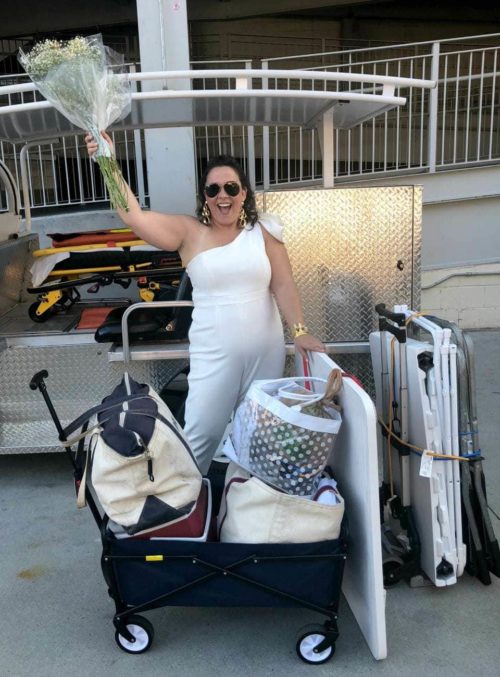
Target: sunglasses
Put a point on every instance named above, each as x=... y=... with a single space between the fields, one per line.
x=231 y=188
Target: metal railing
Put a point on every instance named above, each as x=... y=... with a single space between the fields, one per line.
x=60 y=174
x=456 y=124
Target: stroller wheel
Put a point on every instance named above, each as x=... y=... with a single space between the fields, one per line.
x=308 y=642
x=142 y=631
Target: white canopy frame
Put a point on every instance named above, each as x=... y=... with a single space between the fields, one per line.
x=250 y=102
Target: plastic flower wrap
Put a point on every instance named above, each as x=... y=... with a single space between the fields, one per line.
x=80 y=78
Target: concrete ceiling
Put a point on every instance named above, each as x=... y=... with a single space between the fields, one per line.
x=36 y=17
x=221 y=10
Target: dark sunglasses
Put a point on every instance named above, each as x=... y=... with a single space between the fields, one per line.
x=231 y=188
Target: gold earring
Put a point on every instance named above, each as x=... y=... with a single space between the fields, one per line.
x=242 y=218
x=205 y=214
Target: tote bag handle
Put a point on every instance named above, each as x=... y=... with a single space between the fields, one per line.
x=301 y=398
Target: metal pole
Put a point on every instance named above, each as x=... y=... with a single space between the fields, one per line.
x=265 y=141
x=135 y=306
x=328 y=144
x=433 y=110
x=250 y=138
x=23 y=162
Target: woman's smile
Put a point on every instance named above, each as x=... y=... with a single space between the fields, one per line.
x=224 y=209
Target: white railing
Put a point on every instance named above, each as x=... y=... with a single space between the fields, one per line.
x=456 y=124
x=60 y=174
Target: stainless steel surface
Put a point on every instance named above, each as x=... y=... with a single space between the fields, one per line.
x=14 y=259
x=18 y=329
x=350 y=248
x=79 y=377
x=46 y=339
x=36 y=122
x=360 y=365
x=136 y=306
x=177 y=351
x=248 y=97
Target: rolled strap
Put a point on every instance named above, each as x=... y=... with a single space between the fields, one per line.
x=81 y=501
x=98 y=409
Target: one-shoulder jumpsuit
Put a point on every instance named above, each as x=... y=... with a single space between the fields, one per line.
x=236 y=334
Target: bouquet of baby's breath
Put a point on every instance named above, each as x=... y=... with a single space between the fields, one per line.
x=79 y=77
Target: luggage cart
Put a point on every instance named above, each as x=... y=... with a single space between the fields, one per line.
x=483 y=553
x=147 y=574
x=400 y=538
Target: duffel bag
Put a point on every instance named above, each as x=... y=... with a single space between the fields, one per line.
x=254 y=512
x=141 y=466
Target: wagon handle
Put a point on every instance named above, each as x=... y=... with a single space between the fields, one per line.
x=37 y=380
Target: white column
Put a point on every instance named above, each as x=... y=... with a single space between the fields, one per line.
x=327 y=142
x=433 y=111
x=164 y=45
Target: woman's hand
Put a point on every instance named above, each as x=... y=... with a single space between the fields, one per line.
x=308 y=342
x=92 y=144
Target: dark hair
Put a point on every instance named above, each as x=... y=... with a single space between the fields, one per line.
x=228 y=161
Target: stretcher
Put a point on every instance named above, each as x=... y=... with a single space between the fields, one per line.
x=97 y=259
x=429 y=498
x=442 y=376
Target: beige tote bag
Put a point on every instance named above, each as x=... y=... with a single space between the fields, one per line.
x=254 y=512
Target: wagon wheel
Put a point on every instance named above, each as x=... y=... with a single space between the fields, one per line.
x=308 y=643
x=142 y=631
x=390 y=570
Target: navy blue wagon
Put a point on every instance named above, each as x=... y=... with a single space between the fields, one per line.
x=145 y=574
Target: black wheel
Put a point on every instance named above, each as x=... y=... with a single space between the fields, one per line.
x=308 y=642
x=33 y=314
x=143 y=632
x=390 y=570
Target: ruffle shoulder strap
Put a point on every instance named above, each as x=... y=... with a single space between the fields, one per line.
x=273 y=225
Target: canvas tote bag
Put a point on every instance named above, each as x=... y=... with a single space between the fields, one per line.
x=253 y=512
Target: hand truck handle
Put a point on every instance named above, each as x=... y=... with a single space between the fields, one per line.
x=397 y=318
x=398 y=332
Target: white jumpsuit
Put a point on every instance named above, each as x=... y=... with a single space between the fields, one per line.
x=236 y=334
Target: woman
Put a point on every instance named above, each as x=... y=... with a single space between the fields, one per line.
x=238 y=266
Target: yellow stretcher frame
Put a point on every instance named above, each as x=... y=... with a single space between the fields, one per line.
x=84 y=247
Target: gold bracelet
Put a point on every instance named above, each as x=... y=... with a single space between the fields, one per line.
x=299 y=329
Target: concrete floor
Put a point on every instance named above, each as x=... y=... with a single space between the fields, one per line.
x=56 y=617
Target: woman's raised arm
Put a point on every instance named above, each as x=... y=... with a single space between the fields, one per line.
x=165 y=231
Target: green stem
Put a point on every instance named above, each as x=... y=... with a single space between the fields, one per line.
x=115 y=183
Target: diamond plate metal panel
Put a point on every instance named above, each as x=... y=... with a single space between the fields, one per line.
x=79 y=377
x=417 y=246
x=351 y=248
